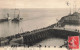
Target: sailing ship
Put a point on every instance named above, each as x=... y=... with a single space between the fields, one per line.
x=17 y=19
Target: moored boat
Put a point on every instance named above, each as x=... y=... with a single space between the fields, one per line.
x=17 y=19
x=5 y=19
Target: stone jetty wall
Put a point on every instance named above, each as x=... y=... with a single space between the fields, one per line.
x=32 y=39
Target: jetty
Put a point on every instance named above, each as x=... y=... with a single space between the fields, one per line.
x=31 y=39
x=35 y=36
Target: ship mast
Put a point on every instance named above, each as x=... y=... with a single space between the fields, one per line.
x=14 y=13
x=8 y=14
x=19 y=13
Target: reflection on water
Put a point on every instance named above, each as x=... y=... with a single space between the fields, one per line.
x=8 y=28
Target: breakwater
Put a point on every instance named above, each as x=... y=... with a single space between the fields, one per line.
x=32 y=39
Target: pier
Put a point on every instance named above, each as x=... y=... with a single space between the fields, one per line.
x=30 y=38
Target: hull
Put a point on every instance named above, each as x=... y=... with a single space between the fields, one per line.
x=16 y=20
x=3 y=20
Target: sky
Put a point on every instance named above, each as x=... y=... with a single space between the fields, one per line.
x=37 y=3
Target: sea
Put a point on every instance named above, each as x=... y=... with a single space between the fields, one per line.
x=33 y=18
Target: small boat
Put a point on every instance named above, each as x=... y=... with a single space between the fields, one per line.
x=5 y=19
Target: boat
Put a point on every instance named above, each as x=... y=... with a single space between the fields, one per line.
x=5 y=19
x=16 y=19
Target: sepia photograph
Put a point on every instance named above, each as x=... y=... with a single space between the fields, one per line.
x=40 y=24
